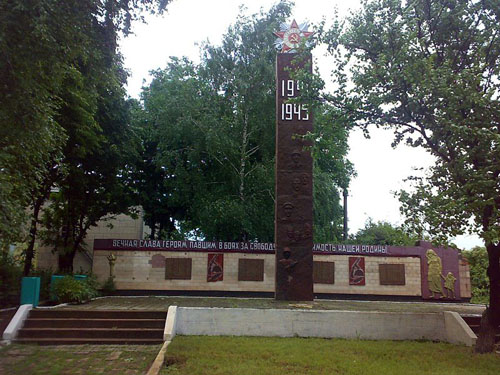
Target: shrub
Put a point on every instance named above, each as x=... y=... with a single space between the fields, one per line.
x=10 y=280
x=478 y=262
x=69 y=290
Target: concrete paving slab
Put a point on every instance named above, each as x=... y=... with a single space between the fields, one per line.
x=163 y=303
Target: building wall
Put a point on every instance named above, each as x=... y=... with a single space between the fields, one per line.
x=134 y=270
x=122 y=226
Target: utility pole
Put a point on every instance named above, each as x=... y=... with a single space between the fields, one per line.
x=345 y=215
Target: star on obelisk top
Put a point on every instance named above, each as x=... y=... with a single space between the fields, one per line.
x=290 y=37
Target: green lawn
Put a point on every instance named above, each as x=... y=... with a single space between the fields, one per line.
x=192 y=355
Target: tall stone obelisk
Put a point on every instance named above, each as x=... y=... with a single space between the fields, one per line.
x=294 y=202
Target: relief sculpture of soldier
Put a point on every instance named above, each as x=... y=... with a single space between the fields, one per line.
x=297 y=234
x=296 y=158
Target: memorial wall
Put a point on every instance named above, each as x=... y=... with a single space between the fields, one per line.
x=211 y=266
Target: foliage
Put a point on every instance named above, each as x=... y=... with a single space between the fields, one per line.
x=383 y=233
x=208 y=141
x=70 y=290
x=61 y=76
x=10 y=280
x=332 y=172
x=429 y=71
x=478 y=263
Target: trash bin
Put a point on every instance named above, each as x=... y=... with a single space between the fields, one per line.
x=53 y=281
x=80 y=277
x=30 y=291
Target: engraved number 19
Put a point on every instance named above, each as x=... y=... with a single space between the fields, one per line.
x=290 y=88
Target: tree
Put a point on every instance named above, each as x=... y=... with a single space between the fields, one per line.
x=209 y=131
x=38 y=39
x=241 y=72
x=383 y=233
x=332 y=172
x=429 y=70
x=478 y=262
x=172 y=162
x=48 y=49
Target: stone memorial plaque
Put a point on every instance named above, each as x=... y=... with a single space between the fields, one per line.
x=178 y=268
x=392 y=274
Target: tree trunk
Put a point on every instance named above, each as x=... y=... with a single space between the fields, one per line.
x=66 y=259
x=65 y=263
x=243 y=158
x=491 y=317
x=153 y=228
x=30 y=251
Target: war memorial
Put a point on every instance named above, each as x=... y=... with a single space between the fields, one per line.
x=129 y=285
x=292 y=268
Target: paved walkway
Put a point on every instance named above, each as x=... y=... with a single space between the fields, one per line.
x=76 y=359
x=162 y=303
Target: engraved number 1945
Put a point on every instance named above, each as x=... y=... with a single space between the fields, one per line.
x=289 y=110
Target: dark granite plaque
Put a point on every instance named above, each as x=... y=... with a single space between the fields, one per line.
x=293 y=209
x=178 y=268
x=391 y=274
x=250 y=269
x=324 y=272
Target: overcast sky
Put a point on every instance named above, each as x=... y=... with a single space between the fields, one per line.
x=381 y=170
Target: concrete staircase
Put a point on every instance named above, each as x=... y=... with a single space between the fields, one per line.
x=474 y=321
x=66 y=327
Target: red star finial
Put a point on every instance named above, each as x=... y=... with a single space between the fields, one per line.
x=291 y=36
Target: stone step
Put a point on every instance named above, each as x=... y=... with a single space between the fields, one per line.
x=93 y=323
x=93 y=341
x=119 y=333
x=97 y=314
x=66 y=327
x=474 y=322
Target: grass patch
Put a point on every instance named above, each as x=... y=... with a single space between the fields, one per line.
x=76 y=359
x=195 y=355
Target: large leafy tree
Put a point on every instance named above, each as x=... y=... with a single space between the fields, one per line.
x=172 y=163
x=60 y=74
x=38 y=40
x=209 y=134
x=430 y=71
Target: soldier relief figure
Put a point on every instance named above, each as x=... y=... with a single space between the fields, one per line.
x=296 y=234
x=287 y=262
x=296 y=157
x=287 y=210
